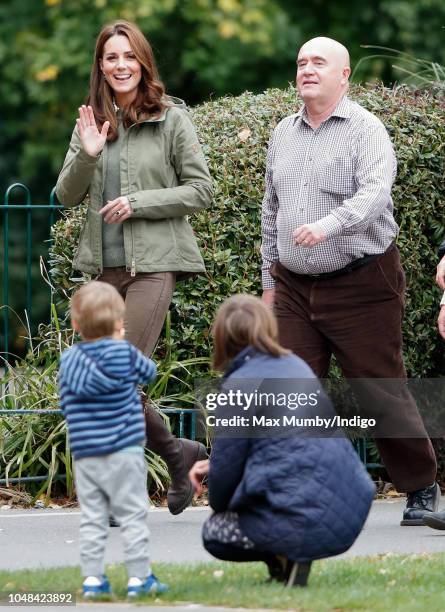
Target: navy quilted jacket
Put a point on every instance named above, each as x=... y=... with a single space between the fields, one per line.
x=301 y=497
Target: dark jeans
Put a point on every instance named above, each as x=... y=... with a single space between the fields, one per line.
x=228 y=552
x=358 y=318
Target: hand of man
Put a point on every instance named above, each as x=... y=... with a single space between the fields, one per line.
x=441 y=322
x=440 y=276
x=197 y=473
x=268 y=297
x=116 y=211
x=308 y=235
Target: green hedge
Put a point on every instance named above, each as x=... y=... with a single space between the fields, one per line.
x=234 y=132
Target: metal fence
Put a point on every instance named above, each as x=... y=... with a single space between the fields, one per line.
x=182 y=413
x=7 y=208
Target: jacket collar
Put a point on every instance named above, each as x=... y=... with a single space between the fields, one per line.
x=245 y=355
x=170 y=101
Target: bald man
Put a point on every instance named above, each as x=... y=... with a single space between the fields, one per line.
x=331 y=269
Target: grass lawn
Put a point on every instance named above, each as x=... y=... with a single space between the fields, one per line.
x=388 y=582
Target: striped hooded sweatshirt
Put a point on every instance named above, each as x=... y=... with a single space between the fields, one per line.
x=98 y=390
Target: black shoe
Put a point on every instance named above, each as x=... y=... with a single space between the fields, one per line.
x=290 y=572
x=299 y=574
x=419 y=504
x=436 y=520
x=277 y=569
x=112 y=521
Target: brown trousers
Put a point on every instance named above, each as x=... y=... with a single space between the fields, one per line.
x=358 y=318
x=147 y=299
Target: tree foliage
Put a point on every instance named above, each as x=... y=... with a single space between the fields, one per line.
x=205 y=49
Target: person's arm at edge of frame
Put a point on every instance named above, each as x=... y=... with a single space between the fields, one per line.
x=440 y=274
x=441 y=318
x=440 y=280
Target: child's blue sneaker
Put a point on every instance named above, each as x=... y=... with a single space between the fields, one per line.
x=94 y=586
x=150 y=585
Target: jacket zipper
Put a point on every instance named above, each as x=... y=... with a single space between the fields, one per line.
x=104 y=170
x=130 y=226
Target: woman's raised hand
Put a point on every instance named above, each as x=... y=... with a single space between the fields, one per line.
x=92 y=140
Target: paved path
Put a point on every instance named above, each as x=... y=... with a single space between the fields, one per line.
x=49 y=538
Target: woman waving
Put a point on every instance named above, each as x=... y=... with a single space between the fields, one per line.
x=135 y=152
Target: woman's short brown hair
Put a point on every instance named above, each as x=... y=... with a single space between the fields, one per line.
x=244 y=320
x=96 y=307
x=150 y=99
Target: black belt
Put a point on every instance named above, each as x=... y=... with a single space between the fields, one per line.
x=354 y=265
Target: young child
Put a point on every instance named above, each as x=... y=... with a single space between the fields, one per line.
x=98 y=381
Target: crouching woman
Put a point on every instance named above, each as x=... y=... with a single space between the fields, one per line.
x=283 y=500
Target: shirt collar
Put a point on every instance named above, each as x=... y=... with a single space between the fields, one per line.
x=342 y=110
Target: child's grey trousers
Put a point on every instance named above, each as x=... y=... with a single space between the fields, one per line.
x=116 y=484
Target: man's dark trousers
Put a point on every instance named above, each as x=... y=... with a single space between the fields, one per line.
x=358 y=318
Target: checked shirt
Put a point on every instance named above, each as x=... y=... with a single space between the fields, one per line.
x=339 y=176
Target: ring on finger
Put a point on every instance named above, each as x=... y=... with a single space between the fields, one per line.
x=117 y=213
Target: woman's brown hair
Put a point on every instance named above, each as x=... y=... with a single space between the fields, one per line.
x=149 y=101
x=244 y=320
